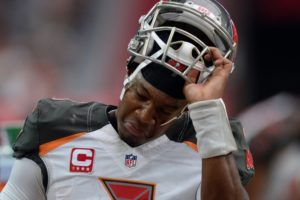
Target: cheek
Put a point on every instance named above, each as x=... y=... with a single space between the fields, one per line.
x=125 y=107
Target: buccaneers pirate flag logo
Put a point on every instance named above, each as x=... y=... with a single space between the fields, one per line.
x=128 y=189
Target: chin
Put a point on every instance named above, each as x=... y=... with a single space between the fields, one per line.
x=128 y=140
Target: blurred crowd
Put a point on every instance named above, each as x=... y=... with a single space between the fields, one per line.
x=273 y=132
x=70 y=48
x=77 y=49
x=62 y=48
x=38 y=42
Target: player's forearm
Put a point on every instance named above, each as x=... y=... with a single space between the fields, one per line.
x=220 y=179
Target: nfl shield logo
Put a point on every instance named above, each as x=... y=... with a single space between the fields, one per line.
x=130 y=160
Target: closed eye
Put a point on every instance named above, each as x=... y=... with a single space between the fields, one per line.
x=141 y=96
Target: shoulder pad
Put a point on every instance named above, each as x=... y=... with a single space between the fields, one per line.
x=243 y=156
x=53 y=119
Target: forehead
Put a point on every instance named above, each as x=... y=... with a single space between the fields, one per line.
x=142 y=85
x=164 y=80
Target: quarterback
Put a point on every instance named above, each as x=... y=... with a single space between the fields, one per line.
x=169 y=138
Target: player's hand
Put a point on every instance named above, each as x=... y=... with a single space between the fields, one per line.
x=214 y=86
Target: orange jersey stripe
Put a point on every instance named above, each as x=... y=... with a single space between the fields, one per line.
x=45 y=148
x=1 y=186
x=191 y=145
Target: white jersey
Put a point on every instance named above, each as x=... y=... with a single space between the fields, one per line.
x=69 y=150
x=99 y=165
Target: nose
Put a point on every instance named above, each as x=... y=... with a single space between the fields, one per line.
x=146 y=114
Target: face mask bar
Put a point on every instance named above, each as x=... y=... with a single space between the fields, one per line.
x=166 y=50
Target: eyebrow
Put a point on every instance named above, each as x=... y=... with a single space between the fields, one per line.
x=175 y=107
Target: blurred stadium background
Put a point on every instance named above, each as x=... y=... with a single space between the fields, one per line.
x=77 y=49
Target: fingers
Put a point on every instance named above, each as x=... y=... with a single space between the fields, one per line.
x=217 y=58
x=222 y=65
x=214 y=54
x=215 y=84
x=193 y=75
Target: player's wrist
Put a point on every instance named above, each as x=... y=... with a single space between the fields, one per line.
x=214 y=135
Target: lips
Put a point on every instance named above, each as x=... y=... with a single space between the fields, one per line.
x=134 y=129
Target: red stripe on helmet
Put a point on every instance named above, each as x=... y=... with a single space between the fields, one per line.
x=234 y=32
x=249 y=160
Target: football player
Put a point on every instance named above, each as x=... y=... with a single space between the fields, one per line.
x=169 y=137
